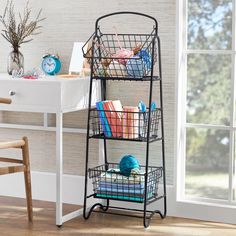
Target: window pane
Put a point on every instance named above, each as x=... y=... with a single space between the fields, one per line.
x=208 y=89
x=209 y=24
x=207 y=161
x=234 y=169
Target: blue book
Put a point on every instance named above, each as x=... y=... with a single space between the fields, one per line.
x=104 y=184
x=137 y=199
x=105 y=125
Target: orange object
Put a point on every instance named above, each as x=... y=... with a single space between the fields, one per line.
x=68 y=76
x=137 y=48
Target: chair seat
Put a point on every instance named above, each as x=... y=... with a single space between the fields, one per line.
x=12 y=144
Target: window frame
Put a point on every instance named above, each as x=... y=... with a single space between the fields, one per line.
x=182 y=53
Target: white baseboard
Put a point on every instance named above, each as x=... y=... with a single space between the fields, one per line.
x=205 y=211
x=44 y=188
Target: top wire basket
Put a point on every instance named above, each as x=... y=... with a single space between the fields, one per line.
x=122 y=56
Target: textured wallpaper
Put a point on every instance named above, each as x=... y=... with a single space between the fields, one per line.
x=70 y=21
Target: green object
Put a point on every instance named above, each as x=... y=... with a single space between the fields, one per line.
x=101 y=71
x=128 y=198
x=136 y=199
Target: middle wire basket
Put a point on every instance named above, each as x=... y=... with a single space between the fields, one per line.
x=121 y=56
x=125 y=125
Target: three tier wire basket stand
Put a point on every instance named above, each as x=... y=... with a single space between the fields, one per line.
x=145 y=126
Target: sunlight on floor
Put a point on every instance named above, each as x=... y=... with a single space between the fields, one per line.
x=17 y=208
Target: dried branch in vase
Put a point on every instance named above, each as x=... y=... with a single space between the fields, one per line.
x=18 y=32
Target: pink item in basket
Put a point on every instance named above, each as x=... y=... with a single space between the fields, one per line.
x=121 y=54
x=130 y=122
x=113 y=111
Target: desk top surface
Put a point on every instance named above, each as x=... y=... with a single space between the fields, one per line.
x=55 y=79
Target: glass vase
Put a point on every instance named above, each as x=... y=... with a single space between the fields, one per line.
x=15 y=62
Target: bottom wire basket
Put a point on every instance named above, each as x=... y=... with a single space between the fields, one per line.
x=108 y=183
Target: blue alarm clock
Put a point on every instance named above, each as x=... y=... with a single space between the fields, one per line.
x=51 y=64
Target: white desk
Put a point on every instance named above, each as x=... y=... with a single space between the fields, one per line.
x=49 y=95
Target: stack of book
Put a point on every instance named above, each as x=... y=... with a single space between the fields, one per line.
x=112 y=184
x=117 y=121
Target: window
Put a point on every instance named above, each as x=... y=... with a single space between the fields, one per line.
x=208 y=123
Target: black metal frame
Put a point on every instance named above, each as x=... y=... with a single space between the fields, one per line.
x=147 y=214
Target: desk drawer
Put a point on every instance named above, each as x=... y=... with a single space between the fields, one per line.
x=31 y=95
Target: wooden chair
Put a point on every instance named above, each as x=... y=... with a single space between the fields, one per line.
x=23 y=165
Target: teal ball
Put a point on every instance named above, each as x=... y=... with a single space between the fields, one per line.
x=127 y=164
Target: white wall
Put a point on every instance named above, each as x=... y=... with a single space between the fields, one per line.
x=73 y=20
x=69 y=21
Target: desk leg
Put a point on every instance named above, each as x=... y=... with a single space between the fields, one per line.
x=59 y=167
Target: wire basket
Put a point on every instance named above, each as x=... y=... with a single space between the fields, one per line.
x=121 y=56
x=126 y=125
x=110 y=184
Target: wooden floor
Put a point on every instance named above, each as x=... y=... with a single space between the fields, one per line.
x=13 y=222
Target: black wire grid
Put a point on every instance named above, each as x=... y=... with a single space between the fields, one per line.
x=108 y=183
x=106 y=64
x=125 y=125
x=145 y=126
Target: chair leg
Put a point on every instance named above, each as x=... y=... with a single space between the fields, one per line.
x=25 y=154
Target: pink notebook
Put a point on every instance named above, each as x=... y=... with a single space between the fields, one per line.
x=130 y=122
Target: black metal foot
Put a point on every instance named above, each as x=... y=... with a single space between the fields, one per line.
x=146 y=221
x=104 y=208
x=161 y=215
